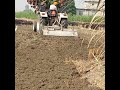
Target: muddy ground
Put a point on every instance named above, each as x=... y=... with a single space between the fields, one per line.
x=47 y=62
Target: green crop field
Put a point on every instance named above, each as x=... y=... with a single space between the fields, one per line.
x=32 y=15
x=29 y=15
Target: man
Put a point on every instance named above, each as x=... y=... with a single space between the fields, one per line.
x=54 y=6
x=59 y=5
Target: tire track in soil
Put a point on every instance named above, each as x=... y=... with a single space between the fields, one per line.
x=40 y=62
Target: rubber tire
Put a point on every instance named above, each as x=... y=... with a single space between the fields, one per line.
x=64 y=23
x=51 y=22
x=35 y=26
x=39 y=27
x=44 y=21
x=15 y=27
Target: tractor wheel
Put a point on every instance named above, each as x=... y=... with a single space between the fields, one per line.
x=38 y=26
x=44 y=21
x=64 y=23
x=35 y=26
x=51 y=21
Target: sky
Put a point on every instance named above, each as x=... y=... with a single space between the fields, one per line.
x=20 y=4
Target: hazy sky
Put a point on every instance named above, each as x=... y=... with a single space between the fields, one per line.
x=20 y=4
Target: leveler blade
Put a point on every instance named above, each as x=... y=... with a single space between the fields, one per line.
x=60 y=32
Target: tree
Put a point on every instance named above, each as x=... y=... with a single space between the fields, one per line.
x=69 y=6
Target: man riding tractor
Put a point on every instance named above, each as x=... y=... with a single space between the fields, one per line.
x=52 y=13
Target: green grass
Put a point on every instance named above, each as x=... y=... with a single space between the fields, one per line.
x=29 y=15
x=81 y=18
x=32 y=15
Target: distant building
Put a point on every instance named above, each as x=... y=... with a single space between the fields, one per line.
x=89 y=8
x=88 y=12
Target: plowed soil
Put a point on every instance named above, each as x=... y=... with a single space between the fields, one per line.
x=41 y=62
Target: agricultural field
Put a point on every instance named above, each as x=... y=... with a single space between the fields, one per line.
x=58 y=63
